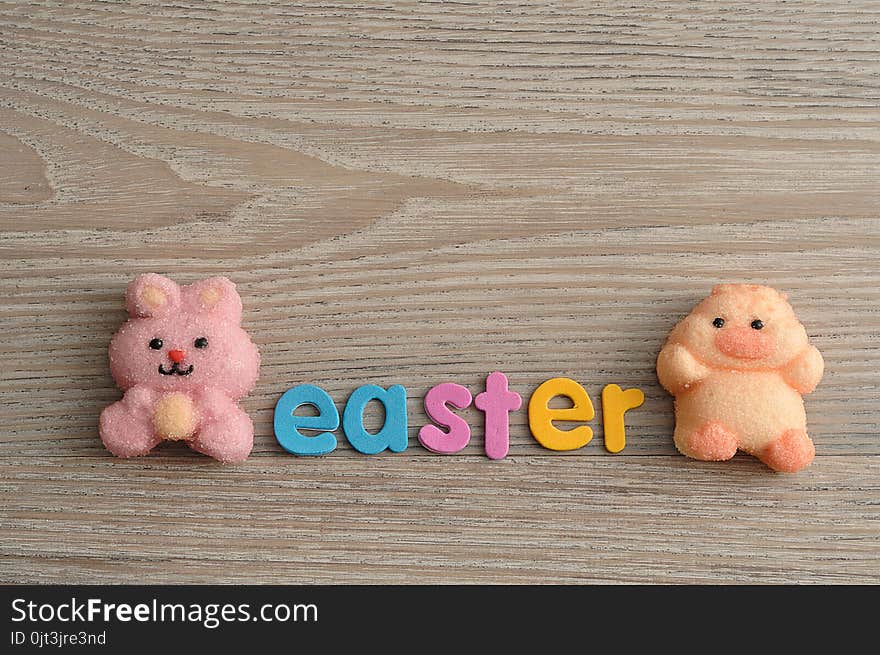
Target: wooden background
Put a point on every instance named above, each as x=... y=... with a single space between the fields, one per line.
x=416 y=193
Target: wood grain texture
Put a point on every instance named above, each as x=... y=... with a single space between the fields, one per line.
x=423 y=192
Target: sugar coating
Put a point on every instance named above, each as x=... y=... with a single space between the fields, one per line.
x=738 y=366
x=183 y=361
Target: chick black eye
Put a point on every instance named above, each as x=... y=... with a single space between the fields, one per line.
x=201 y=342
x=156 y=344
x=757 y=324
x=718 y=322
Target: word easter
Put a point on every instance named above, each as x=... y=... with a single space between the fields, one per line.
x=496 y=402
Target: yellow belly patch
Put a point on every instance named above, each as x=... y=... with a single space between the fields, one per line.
x=174 y=417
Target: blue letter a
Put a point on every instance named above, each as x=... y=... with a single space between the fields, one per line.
x=393 y=434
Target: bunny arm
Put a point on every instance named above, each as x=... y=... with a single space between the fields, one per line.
x=678 y=369
x=804 y=371
x=126 y=426
x=226 y=432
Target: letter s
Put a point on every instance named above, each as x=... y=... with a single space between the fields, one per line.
x=15 y=607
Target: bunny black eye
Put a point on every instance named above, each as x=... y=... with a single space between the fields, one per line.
x=718 y=322
x=201 y=342
x=156 y=344
x=757 y=324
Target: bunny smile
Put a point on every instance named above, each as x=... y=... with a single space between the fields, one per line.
x=174 y=370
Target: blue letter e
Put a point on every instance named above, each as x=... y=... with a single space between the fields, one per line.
x=287 y=423
x=393 y=434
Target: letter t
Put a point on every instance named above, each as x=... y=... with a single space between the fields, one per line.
x=496 y=401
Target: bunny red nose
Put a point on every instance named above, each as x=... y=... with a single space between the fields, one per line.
x=176 y=356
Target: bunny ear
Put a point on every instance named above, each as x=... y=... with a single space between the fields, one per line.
x=735 y=287
x=754 y=289
x=217 y=296
x=721 y=288
x=151 y=295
